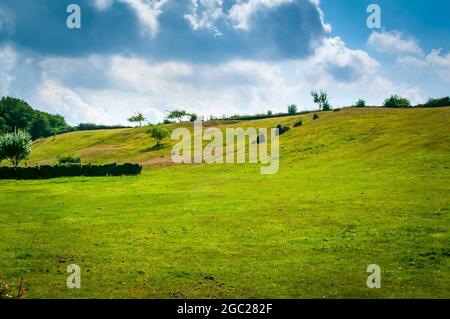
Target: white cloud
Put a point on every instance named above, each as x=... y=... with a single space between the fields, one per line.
x=147 y=12
x=8 y=58
x=434 y=63
x=65 y=101
x=109 y=88
x=241 y=13
x=393 y=42
x=334 y=62
x=103 y=4
x=204 y=14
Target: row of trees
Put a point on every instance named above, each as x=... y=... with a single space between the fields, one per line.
x=16 y=114
x=178 y=115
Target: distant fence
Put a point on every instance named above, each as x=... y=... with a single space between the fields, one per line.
x=72 y=170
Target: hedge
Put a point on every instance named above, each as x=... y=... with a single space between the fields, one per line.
x=72 y=170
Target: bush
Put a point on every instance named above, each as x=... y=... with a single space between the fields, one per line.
x=360 y=103
x=282 y=129
x=69 y=159
x=193 y=117
x=68 y=170
x=445 y=101
x=397 y=102
x=298 y=123
x=261 y=139
x=315 y=116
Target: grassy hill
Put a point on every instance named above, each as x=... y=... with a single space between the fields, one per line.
x=356 y=187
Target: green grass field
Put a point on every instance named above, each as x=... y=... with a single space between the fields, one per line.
x=356 y=187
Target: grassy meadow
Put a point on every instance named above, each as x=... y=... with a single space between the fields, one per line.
x=355 y=187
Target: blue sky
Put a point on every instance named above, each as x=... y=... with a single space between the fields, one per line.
x=218 y=56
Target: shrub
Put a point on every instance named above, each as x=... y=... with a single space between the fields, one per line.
x=445 y=101
x=360 y=103
x=292 y=109
x=326 y=106
x=397 y=102
x=260 y=139
x=69 y=159
x=298 y=123
x=193 y=117
x=282 y=129
x=315 y=116
x=15 y=146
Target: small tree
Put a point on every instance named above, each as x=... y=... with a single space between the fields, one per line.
x=360 y=103
x=138 y=118
x=15 y=146
x=396 y=101
x=158 y=133
x=269 y=113
x=177 y=115
x=292 y=109
x=321 y=99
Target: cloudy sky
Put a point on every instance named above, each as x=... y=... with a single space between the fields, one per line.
x=218 y=56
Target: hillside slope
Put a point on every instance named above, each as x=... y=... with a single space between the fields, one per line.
x=365 y=133
x=356 y=187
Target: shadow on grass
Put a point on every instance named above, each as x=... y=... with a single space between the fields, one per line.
x=155 y=147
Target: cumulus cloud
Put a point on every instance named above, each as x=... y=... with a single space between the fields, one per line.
x=434 y=63
x=393 y=42
x=189 y=30
x=65 y=101
x=8 y=59
x=103 y=4
x=334 y=61
x=204 y=14
x=147 y=12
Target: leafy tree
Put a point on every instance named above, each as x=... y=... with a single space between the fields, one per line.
x=396 y=102
x=177 y=115
x=360 y=103
x=18 y=114
x=158 y=133
x=321 y=99
x=41 y=126
x=138 y=118
x=292 y=109
x=15 y=146
x=269 y=113
x=193 y=117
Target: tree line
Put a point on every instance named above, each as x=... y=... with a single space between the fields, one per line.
x=16 y=114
